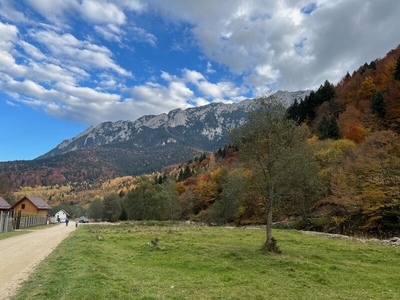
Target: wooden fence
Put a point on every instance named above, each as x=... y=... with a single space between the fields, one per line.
x=5 y=224
x=12 y=221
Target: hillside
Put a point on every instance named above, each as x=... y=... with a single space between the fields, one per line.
x=371 y=81
x=94 y=165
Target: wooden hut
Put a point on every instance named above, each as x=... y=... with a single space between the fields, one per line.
x=32 y=206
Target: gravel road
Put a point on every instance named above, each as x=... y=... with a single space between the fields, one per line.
x=20 y=255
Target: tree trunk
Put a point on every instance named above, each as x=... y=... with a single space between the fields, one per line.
x=269 y=243
x=269 y=227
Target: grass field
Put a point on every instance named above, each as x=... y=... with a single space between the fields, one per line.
x=211 y=263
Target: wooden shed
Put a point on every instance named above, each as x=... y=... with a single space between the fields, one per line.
x=32 y=206
x=4 y=206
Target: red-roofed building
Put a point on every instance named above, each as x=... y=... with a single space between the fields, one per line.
x=32 y=206
x=4 y=206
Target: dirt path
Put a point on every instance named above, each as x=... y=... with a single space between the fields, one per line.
x=20 y=255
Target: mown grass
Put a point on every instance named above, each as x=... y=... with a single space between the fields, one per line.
x=211 y=263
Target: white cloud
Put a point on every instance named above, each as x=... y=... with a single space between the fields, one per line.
x=94 y=11
x=193 y=76
x=110 y=32
x=56 y=61
x=141 y=35
x=209 y=68
x=28 y=87
x=163 y=98
x=78 y=53
x=8 y=36
x=102 y=12
x=12 y=104
x=9 y=12
x=87 y=95
x=53 y=10
x=305 y=49
x=32 y=51
x=220 y=91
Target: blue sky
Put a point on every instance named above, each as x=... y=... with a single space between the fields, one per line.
x=68 y=64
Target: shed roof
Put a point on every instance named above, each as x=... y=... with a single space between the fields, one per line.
x=63 y=212
x=4 y=204
x=37 y=201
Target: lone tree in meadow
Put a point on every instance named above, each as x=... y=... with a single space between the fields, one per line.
x=276 y=152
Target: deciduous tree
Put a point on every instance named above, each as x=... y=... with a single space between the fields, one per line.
x=270 y=146
x=148 y=201
x=111 y=208
x=95 y=210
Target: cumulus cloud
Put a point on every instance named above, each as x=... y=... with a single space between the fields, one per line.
x=86 y=60
x=321 y=39
x=102 y=12
x=69 y=49
x=9 y=35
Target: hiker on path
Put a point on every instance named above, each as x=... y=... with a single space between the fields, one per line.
x=66 y=222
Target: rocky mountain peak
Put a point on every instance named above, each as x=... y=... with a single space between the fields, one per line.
x=205 y=127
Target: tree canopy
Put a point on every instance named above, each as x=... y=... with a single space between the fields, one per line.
x=272 y=147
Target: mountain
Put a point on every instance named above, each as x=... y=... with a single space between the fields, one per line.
x=205 y=128
x=146 y=145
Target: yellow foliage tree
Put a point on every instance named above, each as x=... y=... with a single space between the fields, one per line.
x=367 y=88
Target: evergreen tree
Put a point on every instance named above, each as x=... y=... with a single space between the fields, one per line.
x=124 y=214
x=180 y=176
x=378 y=104
x=334 y=129
x=203 y=157
x=328 y=128
x=306 y=110
x=323 y=128
x=187 y=173
x=396 y=73
x=292 y=111
x=326 y=92
x=372 y=65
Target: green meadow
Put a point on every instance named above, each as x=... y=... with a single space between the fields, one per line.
x=159 y=261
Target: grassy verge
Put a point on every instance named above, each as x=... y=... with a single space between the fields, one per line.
x=5 y=235
x=211 y=263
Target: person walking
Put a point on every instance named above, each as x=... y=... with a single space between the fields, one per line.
x=66 y=222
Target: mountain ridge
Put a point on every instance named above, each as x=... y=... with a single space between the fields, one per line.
x=210 y=123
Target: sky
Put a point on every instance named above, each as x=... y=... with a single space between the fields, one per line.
x=66 y=65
